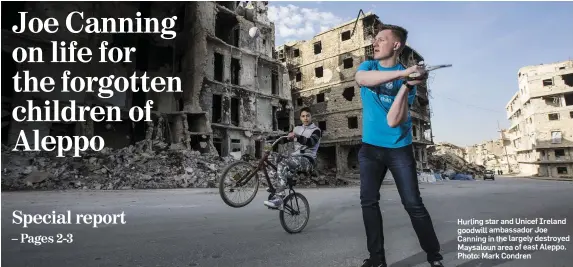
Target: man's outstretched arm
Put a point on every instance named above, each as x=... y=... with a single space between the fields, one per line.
x=311 y=141
x=371 y=78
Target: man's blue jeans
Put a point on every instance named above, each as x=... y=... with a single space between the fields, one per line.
x=374 y=163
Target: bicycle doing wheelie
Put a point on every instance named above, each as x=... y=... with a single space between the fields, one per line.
x=294 y=204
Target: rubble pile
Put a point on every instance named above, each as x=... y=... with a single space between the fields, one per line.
x=138 y=166
x=453 y=163
x=133 y=167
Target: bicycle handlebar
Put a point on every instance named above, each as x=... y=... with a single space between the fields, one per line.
x=279 y=139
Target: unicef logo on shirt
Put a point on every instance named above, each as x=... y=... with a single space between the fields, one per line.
x=389 y=85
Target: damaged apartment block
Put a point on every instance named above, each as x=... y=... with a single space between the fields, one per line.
x=244 y=88
x=322 y=77
x=234 y=93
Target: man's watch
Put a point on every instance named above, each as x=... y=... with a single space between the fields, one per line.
x=410 y=87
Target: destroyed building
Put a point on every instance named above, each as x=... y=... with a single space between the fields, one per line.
x=234 y=94
x=496 y=155
x=322 y=77
x=541 y=116
x=445 y=156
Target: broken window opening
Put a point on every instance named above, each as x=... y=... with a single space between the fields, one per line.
x=317 y=48
x=283 y=118
x=547 y=82
x=348 y=63
x=227 y=28
x=322 y=125
x=235 y=111
x=236 y=145
x=352 y=158
x=299 y=101
x=553 y=116
x=327 y=158
x=561 y=170
x=369 y=25
x=320 y=98
x=216 y=109
x=296 y=53
x=218 y=144
x=369 y=52
x=553 y=101
x=196 y=123
x=181 y=104
x=561 y=68
x=298 y=77
x=275 y=83
x=275 y=118
x=218 y=75
x=571 y=114
x=200 y=143
x=318 y=72
x=353 y=123
x=556 y=137
x=559 y=153
x=568 y=99
x=345 y=36
x=348 y=93
x=415 y=132
x=258 y=149
x=568 y=79
x=235 y=71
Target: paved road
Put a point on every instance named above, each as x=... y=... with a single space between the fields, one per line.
x=195 y=228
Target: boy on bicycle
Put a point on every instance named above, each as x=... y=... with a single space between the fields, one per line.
x=307 y=140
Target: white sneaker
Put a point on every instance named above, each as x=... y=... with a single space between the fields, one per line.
x=275 y=203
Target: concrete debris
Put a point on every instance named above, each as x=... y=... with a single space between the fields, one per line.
x=133 y=167
x=139 y=166
x=449 y=160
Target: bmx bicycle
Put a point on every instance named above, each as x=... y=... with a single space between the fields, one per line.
x=292 y=203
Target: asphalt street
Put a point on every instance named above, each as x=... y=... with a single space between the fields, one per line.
x=195 y=228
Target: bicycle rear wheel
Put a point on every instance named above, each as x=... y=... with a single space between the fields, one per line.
x=237 y=176
x=295 y=206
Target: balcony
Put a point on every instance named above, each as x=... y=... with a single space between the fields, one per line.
x=420 y=113
x=422 y=140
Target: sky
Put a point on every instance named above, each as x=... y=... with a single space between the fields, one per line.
x=487 y=43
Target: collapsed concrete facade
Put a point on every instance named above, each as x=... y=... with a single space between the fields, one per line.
x=541 y=115
x=496 y=155
x=234 y=94
x=445 y=156
x=322 y=77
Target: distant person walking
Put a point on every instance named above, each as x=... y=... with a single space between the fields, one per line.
x=387 y=144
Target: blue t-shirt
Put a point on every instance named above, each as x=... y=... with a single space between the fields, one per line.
x=376 y=102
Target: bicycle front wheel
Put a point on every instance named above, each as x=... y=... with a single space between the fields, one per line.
x=242 y=178
x=295 y=214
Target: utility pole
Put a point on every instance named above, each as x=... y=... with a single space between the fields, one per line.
x=504 y=147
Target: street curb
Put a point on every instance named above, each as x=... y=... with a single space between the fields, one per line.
x=548 y=178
